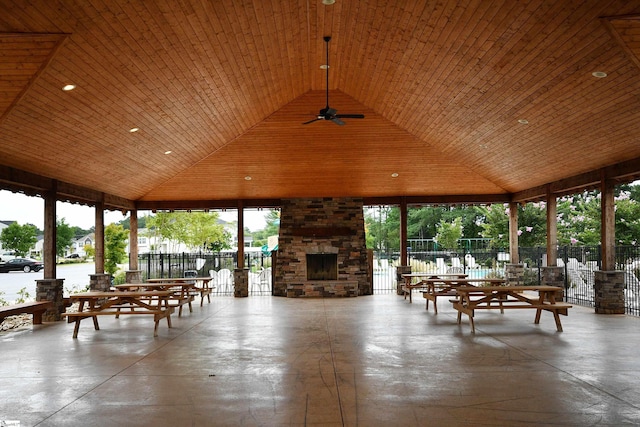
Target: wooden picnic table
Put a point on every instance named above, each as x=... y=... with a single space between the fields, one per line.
x=94 y=304
x=409 y=277
x=202 y=284
x=436 y=287
x=509 y=297
x=183 y=292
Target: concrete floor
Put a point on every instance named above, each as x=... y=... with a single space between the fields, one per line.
x=366 y=361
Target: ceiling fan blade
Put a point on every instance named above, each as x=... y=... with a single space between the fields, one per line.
x=350 y=116
x=311 y=121
x=337 y=121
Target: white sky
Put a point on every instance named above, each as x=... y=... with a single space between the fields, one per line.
x=30 y=210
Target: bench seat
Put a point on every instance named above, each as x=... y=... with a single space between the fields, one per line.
x=36 y=308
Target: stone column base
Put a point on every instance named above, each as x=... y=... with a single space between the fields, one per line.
x=514 y=273
x=241 y=282
x=400 y=270
x=554 y=276
x=133 y=276
x=609 y=292
x=100 y=282
x=51 y=290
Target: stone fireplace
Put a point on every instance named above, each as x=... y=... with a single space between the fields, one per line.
x=322 y=249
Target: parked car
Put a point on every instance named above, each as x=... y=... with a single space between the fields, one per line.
x=6 y=256
x=72 y=256
x=21 y=264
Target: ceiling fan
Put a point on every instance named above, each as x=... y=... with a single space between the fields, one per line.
x=329 y=113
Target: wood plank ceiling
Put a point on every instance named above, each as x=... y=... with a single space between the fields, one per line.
x=460 y=97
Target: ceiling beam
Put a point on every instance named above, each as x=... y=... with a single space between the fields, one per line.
x=31 y=184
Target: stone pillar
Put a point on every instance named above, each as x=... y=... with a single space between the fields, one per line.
x=100 y=282
x=554 y=276
x=609 y=292
x=241 y=282
x=400 y=270
x=133 y=276
x=514 y=273
x=51 y=290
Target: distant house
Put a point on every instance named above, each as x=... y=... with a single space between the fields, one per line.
x=77 y=246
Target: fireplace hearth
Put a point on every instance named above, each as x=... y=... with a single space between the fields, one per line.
x=321 y=249
x=322 y=266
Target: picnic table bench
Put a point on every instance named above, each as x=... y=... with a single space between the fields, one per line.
x=437 y=287
x=36 y=308
x=408 y=287
x=509 y=297
x=202 y=285
x=182 y=292
x=94 y=304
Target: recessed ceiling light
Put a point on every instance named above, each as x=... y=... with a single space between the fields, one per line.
x=394 y=175
x=599 y=74
x=328 y=2
x=523 y=121
x=67 y=88
x=168 y=152
x=247 y=178
x=134 y=130
x=324 y=67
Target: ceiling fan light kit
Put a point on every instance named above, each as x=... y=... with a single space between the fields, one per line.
x=328 y=113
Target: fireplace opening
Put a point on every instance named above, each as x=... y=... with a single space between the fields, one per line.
x=322 y=266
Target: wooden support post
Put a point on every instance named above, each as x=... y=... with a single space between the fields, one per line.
x=404 y=258
x=513 y=233
x=608 y=226
x=552 y=230
x=133 y=239
x=49 y=255
x=99 y=255
x=240 y=263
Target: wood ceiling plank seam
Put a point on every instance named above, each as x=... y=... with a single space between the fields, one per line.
x=435 y=25
x=531 y=84
x=401 y=43
x=493 y=43
x=381 y=20
x=219 y=45
x=199 y=116
x=456 y=41
x=220 y=79
x=250 y=97
x=294 y=61
x=169 y=59
x=369 y=46
x=350 y=44
x=550 y=94
x=378 y=81
x=269 y=49
x=395 y=101
x=455 y=118
x=386 y=77
x=240 y=74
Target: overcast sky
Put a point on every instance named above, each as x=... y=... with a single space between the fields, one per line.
x=30 y=210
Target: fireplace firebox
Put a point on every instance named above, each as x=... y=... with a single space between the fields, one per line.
x=322 y=266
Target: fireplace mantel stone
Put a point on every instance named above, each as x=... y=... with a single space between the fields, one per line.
x=322 y=226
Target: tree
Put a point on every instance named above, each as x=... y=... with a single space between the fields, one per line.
x=197 y=230
x=19 y=238
x=449 y=233
x=115 y=244
x=64 y=236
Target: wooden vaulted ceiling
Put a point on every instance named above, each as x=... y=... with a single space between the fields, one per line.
x=461 y=98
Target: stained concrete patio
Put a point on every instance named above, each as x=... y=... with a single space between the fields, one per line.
x=366 y=361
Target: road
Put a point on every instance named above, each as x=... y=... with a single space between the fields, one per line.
x=74 y=275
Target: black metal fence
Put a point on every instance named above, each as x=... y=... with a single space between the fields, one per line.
x=220 y=266
x=580 y=263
